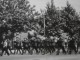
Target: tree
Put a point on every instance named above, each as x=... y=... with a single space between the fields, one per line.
x=70 y=19
x=51 y=19
x=16 y=13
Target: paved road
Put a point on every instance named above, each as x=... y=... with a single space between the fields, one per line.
x=40 y=57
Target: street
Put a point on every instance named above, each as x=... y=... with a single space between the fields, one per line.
x=40 y=57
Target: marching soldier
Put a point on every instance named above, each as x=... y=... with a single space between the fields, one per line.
x=5 y=44
x=60 y=46
x=71 y=46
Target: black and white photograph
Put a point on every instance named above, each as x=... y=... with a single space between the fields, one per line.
x=39 y=29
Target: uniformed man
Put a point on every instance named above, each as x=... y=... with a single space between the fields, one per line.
x=5 y=48
x=60 y=46
x=71 y=46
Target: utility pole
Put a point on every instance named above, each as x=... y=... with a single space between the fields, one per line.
x=44 y=25
x=43 y=16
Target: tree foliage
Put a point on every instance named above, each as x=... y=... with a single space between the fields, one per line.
x=71 y=19
x=52 y=18
x=66 y=19
x=14 y=14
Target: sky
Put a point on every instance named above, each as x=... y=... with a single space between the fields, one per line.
x=41 y=4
